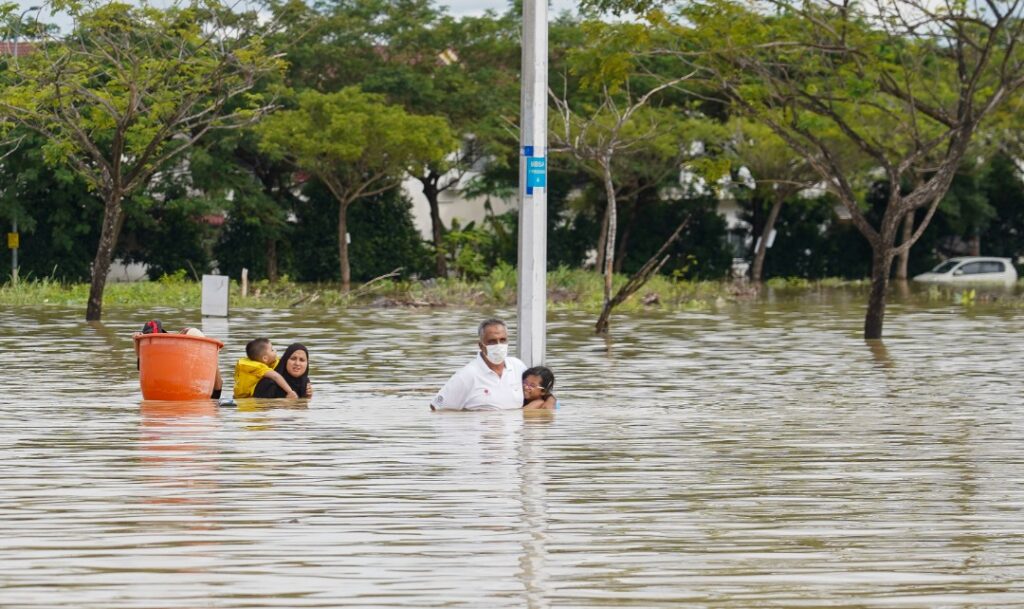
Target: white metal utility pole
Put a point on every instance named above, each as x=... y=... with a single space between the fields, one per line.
x=533 y=185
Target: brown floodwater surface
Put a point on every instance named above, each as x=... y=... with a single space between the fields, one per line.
x=753 y=455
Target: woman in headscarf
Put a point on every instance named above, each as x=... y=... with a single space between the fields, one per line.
x=294 y=367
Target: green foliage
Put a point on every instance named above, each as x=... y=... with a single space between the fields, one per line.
x=465 y=247
x=132 y=86
x=129 y=90
x=244 y=242
x=383 y=238
x=353 y=141
x=58 y=217
x=700 y=253
x=1004 y=190
x=169 y=236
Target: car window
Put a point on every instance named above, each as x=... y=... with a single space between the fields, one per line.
x=994 y=266
x=973 y=268
x=945 y=267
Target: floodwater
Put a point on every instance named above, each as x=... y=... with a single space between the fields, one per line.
x=753 y=455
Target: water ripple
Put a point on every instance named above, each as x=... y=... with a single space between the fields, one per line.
x=760 y=455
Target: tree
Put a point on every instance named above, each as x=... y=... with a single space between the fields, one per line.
x=595 y=140
x=59 y=218
x=129 y=90
x=356 y=144
x=612 y=116
x=904 y=82
x=431 y=64
x=1004 y=187
x=778 y=174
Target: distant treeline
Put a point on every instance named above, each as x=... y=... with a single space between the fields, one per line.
x=266 y=195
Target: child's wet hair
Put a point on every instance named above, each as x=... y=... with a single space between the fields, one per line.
x=547 y=377
x=256 y=347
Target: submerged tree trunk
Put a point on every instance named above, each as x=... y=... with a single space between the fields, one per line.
x=881 y=263
x=638 y=279
x=113 y=217
x=903 y=260
x=609 y=241
x=757 y=266
x=346 y=273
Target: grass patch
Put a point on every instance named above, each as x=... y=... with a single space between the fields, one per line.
x=568 y=289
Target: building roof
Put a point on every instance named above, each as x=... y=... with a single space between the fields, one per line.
x=17 y=49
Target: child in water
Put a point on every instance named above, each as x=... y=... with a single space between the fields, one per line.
x=259 y=362
x=537 y=385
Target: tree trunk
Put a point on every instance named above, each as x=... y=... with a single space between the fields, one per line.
x=881 y=263
x=903 y=260
x=271 y=250
x=437 y=226
x=346 y=272
x=609 y=241
x=638 y=279
x=601 y=239
x=757 y=267
x=620 y=253
x=113 y=217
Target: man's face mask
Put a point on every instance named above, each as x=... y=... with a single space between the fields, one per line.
x=496 y=353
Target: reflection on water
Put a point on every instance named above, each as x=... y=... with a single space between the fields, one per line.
x=753 y=455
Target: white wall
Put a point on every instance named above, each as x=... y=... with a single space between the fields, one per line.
x=451 y=205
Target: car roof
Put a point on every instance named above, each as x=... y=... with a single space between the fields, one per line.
x=977 y=259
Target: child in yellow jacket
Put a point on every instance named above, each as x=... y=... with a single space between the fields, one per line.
x=259 y=361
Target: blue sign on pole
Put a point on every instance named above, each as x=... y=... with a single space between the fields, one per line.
x=536 y=172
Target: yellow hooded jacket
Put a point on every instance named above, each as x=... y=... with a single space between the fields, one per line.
x=248 y=372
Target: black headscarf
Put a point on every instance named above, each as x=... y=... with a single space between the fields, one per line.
x=267 y=388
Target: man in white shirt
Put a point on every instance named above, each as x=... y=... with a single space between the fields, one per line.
x=492 y=381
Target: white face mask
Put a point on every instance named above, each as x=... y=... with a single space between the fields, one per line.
x=496 y=353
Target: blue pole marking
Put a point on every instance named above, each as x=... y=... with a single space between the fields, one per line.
x=536 y=170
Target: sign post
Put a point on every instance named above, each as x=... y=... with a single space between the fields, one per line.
x=215 y=296
x=533 y=202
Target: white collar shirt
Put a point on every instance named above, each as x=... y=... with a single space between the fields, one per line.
x=476 y=387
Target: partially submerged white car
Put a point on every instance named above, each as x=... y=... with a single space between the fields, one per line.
x=972 y=269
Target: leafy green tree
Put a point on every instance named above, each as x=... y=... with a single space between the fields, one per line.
x=257 y=194
x=616 y=119
x=386 y=237
x=416 y=56
x=906 y=85
x=1003 y=184
x=57 y=216
x=357 y=145
x=777 y=173
x=168 y=236
x=130 y=89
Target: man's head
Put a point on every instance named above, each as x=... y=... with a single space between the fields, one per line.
x=260 y=350
x=493 y=343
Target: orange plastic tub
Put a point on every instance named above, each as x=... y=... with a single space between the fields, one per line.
x=177 y=366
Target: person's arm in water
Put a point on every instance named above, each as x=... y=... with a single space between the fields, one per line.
x=309 y=389
x=547 y=403
x=277 y=378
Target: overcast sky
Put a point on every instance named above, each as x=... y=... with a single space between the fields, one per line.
x=455 y=7
x=477 y=7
